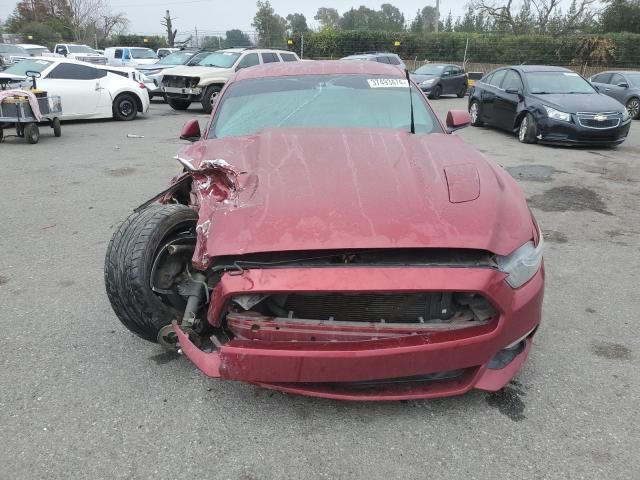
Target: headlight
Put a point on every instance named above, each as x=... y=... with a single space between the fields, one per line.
x=625 y=115
x=522 y=264
x=557 y=115
x=428 y=82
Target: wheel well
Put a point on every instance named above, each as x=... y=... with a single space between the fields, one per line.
x=215 y=84
x=135 y=97
x=519 y=118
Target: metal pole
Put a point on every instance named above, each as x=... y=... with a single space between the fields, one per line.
x=464 y=60
x=96 y=37
x=197 y=43
x=301 y=45
x=437 y=25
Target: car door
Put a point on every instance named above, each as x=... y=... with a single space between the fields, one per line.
x=613 y=88
x=507 y=98
x=447 y=81
x=490 y=87
x=80 y=89
x=459 y=80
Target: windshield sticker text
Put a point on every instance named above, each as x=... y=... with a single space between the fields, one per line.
x=387 y=83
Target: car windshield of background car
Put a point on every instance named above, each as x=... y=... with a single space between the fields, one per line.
x=430 y=70
x=142 y=53
x=20 y=69
x=557 y=83
x=219 y=59
x=175 y=58
x=634 y=79
x=80 y=49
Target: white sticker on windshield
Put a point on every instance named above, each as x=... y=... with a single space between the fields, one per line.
x=388 y=83
x=567 y=74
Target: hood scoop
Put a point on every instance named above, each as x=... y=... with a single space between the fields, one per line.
x=463 y=183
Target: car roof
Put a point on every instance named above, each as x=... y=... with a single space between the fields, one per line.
x=324 y=67
x=539 y=68
x=257 y=50
x=63 y=60
x=440 y=65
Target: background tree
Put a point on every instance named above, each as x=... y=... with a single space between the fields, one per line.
x=391 y=18
x=236 y=38
x=621 y=16
x=270 y=26
x=167 y=23
x=425 y=20
x=329 y=18
x=297 y=23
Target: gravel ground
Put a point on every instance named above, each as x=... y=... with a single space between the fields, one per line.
x=80 y=397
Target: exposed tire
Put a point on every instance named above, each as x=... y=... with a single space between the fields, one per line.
x=474 y=113
x=57 y=129
x=209 y=97
x=633 y=107
x=129 y=262
x=528 y=129
x=125 y=107
x=462 y=92
x=178 y=104
x=31 y=133
x=436 y=92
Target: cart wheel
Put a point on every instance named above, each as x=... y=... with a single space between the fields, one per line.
x=31 y=133
x=20 y=130
x=55 y=124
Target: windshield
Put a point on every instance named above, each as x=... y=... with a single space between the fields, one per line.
x=80 y=49
x=320 y=101
x=142 y=53
x=633 y=78
x=557 y=82
x=20 y=69
x=430 y=70
x=217 y=59
x=12 y=49
x=175 y=58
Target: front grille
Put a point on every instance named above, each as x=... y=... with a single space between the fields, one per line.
x=600 y=121
x=175 y=81
x=367 y=307
x=95 y=60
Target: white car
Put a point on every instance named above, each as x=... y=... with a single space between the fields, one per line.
x=135 y=75
x=37 y=50
x=86 y=90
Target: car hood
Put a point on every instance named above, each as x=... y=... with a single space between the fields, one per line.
x=145 y=61
x=195 y=71
x=573 y=103
x=155 y=66
x=318 y=189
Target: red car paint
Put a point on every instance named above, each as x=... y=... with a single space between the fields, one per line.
x=332 y=189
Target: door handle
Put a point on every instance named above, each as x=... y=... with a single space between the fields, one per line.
x=98 y=87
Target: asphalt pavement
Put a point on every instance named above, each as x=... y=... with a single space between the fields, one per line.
x=82 y=398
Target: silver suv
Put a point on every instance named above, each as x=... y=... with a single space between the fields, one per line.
x=380 y=57
x=203 y=80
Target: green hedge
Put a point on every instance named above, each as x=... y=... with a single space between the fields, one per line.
x=482 y=48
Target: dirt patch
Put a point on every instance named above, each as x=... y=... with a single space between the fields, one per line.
x=611 y=351
x=555 y=237
x=120 y=172
x=562 y=199
x=508 y=402
x=532 y=173
x=66 y=283
x=589 y=310
x=4 y=280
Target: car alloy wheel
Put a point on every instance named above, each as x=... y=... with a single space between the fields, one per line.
x=522 y=132
x=633 y=107
x=126 y=107
x=473 y=111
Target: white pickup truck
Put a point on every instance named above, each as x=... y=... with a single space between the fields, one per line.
x=83 y=53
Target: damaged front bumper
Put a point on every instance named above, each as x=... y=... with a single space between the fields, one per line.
x=372 y=362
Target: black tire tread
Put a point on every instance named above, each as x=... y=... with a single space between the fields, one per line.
x=127 y=265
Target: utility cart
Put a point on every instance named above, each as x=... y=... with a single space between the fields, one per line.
x=17 y=112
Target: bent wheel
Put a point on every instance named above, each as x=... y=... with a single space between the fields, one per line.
x=474 y=113
x=143 y=275
x=209 y=98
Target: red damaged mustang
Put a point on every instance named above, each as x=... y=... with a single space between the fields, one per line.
x=329 y=237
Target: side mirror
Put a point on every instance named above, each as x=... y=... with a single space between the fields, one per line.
x=623 y=85
x=457 y=119
x=191 y=131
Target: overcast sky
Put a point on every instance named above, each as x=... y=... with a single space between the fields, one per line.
x=222 y=15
